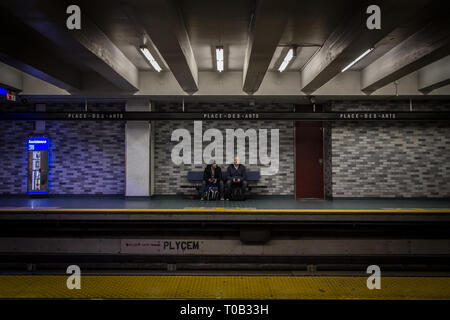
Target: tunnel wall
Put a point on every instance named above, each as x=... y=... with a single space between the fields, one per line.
x=169 y=177
x=85 y=157
x=362 y=159
x=399 y=159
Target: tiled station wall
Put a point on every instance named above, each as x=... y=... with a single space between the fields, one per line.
x=169 y=177
x=398 y=159
x=13 y=156
x=86 y=157
x=362 y=159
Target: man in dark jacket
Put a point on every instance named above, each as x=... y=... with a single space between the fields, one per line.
x=236 y=174
x=212 y=176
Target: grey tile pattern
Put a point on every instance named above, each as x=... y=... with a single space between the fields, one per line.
x=170 y=177
x=13 y=156
x=85 y=157
x=380 y=159
x=362 y=159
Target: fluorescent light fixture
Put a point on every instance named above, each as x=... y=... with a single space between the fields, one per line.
x=286 y=60
x=357 y=59
x=219 y=58
x=150 y=58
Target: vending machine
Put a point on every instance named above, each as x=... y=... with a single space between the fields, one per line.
x=37 y=164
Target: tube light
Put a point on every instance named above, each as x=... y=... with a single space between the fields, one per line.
x=219 y=58
x=357 y=59
x=286 y=60
x=150 y=58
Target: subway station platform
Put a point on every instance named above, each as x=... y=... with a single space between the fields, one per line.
x=255 y=210
x=225 y=287
x=178 y=204
x=267 y=234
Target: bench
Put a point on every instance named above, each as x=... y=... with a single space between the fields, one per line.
x=196 y=177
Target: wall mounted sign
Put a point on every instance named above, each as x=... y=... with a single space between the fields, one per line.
x=10 y=96
x=298 y=116
x=38 y=148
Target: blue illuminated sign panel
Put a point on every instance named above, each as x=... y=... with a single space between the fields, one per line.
x=38 y=148
x=35 y=144
x=3 y=91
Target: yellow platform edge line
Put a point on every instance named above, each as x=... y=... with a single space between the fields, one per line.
x=219 y=210
x=225 y=287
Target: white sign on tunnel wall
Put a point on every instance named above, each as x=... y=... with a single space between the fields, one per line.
x=138 y=246
x=277 y=247
x=192 y=247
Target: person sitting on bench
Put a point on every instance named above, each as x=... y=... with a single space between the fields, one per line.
x=236 y=174
x=212 y=176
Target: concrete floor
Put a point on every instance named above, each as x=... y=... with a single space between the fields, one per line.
x=176 y=202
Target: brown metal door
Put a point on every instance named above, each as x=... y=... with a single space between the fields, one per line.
x=309 y=157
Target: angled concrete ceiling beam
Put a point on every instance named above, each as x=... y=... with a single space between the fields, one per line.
x=426 y=46
x=88 y=47
x=266 y=28
x=435 y=75
x=10 y=78
x=163 y=22
x=351 y=38
x=26 y=50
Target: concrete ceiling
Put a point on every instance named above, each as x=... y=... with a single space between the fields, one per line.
x=215 y=23
x=182 y=36
x=118 y=23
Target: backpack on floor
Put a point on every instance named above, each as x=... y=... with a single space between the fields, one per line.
x=212 y=193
